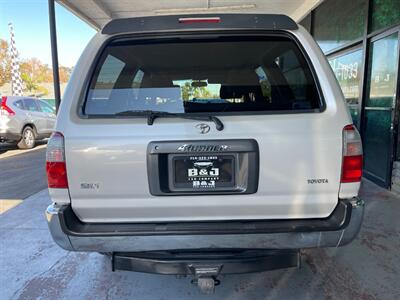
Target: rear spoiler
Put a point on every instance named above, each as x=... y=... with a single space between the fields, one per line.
x=200 y=22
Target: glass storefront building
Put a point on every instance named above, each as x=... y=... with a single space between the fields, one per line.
x=361 y=39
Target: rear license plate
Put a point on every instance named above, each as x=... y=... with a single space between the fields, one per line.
x=202 y=172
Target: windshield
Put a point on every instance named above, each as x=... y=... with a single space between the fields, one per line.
x=218 y=75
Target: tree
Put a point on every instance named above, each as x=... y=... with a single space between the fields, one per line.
x=202 y=92
x=189 y=92
x=65 y=74
x=30 y=83
x=5 y=63
x=34 y=73
x=36 y=70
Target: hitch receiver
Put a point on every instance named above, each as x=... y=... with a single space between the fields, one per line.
x=205 y=264
x=205 y=277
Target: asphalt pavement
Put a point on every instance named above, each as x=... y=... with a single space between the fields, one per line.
x=22 y=174
x=34 y=267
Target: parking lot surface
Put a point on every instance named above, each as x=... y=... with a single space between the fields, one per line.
x=22 y=173
x=33 y=266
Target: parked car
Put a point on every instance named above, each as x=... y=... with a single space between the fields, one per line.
x=25 y=120
x=198 y=187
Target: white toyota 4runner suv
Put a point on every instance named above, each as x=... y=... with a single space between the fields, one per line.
x=203 y=145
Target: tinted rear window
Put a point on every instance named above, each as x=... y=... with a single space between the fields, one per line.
x=193 y=76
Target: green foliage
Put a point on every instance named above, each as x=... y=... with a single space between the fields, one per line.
x=189 y=92
x=30 y=84
x=42 y=90
x=385 y=13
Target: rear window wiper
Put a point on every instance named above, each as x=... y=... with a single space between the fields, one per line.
x=152 y=115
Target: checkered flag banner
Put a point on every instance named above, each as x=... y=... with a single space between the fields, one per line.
x=16 y=81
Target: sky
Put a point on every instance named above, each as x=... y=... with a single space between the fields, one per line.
x=32 y=34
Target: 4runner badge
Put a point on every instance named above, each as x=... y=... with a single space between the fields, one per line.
x=202 y=148
x=203 y=128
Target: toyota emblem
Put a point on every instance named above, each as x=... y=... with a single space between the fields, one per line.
x=203 y=128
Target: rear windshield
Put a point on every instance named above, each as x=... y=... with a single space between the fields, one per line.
x=202 y=76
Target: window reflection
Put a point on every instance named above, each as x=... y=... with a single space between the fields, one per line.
x=339 y=22
x=382 y=73
x=347 y=69
x=384 y=13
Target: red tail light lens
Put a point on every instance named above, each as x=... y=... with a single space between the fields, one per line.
x=56 y=175
x=352 y=168
x=352 y=155
x=55 y=162
x=6 y=110
x=200 y=20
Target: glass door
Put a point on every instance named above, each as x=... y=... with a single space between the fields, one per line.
x=378 y=133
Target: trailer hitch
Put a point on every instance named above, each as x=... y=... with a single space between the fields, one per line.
x=205 y=277
x=205 y=265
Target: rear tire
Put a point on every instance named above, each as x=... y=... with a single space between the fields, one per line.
x=28 y=138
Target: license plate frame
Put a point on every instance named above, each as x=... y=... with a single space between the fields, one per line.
x=220 y=176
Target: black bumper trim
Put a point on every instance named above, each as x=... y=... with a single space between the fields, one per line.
x=9 y=136
x=186 y=262
x=72 y=226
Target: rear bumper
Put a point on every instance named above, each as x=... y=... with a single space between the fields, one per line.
x=340 y=228
x=9 y=136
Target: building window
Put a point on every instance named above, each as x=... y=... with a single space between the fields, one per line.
x=382 y=72
x=337 y=22
x=384 y=13
x=347 y=69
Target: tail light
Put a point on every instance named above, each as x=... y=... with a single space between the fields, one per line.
x=55 y=162
x=4 y=109
x=352 y=155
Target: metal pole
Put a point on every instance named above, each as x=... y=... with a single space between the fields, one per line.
x=54 y=53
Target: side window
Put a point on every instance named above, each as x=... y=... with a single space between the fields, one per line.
x=45 y=107
x=105 y=87
x=31 y=105
x=19 y=104
x=296 y=78
x=137 y=80
x=109 y=73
